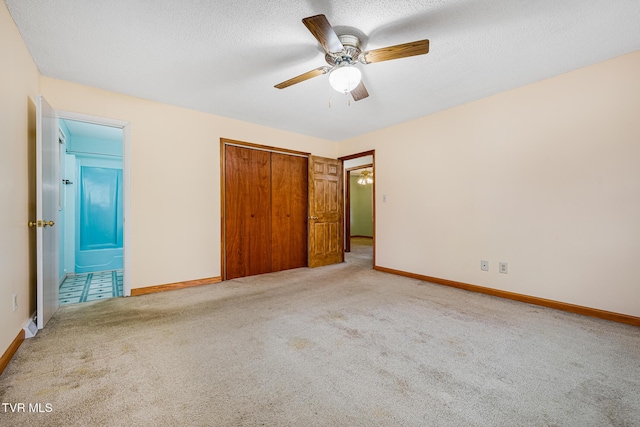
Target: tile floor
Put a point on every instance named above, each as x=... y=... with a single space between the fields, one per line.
x=84 y=287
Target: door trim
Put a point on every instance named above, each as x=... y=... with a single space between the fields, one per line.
x=126 y=184
x=263 y=147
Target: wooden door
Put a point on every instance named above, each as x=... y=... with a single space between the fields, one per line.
x=247 y=212
x=289 y=191
x=325 y=212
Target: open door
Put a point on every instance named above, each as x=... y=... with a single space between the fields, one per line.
x=326 y=232
x=47 y=201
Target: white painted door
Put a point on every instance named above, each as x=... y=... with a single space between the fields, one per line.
x=47 y=201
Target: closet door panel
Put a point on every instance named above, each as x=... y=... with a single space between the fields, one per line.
x=259 y=201
x=289 y=211
x=299 y=206
x=281 y=175
x=237 y=185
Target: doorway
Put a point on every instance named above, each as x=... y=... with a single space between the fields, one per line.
x=91 y=211
x=48 y=183
x=359 y=194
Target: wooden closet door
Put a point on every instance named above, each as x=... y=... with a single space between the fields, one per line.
x=289 y=188
x=247 y=212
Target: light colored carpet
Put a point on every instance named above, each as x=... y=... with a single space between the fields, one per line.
x=335 y=346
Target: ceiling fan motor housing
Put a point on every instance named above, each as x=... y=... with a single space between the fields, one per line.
x=349 y=54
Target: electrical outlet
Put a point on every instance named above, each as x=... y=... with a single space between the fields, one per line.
x=504 y=268
x=484 y=265
x=15 y=302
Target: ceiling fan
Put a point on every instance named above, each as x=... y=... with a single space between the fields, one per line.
x=342 y=53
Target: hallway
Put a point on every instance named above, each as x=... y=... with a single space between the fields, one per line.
x=361 y=252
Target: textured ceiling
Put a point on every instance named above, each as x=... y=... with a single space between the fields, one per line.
x=225 y=56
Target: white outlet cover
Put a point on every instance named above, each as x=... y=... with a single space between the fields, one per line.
x=484 y=265
x=504 y=268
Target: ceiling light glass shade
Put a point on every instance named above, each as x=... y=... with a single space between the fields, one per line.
x=366 y=177
x=345 y=78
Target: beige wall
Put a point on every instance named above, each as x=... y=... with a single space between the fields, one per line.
x=175 y=177
x=18 y=88
x=545 y=177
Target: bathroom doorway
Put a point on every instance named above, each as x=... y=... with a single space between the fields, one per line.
x=91 y=211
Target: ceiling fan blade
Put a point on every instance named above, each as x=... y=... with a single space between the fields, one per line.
x=324 y=33
x=302 y=77
x=360 y=92
x=405 y=50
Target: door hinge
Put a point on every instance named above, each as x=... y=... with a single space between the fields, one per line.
x=40 y=223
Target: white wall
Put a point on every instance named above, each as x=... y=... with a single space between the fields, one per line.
x=175 y=177
x=545 y=177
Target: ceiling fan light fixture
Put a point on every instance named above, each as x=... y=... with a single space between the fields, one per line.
x=343 y=52
x=345 y=77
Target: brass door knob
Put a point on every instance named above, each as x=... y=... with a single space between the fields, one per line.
x=49 y=223
x=32 y=223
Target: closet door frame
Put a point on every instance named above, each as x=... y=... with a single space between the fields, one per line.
x=224 y=142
